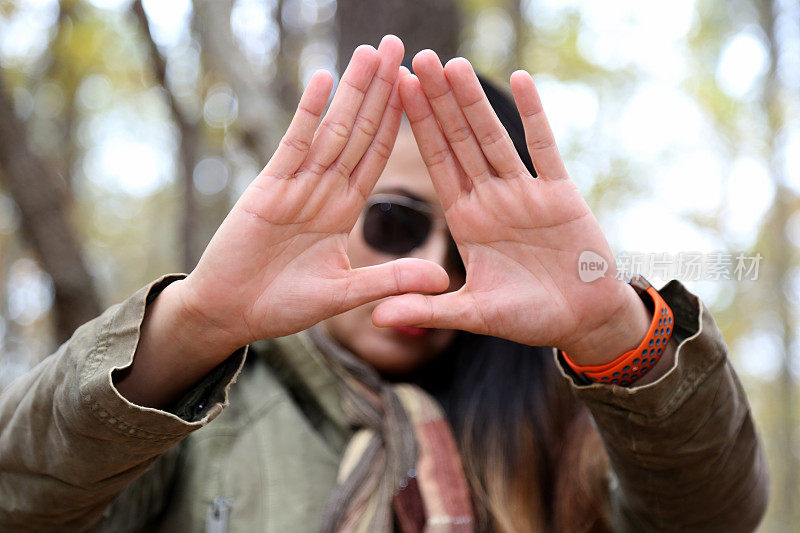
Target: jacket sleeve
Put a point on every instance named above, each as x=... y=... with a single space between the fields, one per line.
x=683 y=449
x=70 y=443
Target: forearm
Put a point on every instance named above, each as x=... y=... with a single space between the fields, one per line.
x=175 y=350
x=69 y=443
x=683 y=448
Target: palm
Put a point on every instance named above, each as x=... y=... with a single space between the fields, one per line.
x=520 y=237
x=513 y=238
x=278 y=262
x=294 y=258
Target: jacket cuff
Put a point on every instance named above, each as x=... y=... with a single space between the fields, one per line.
x=114 y=348
x=700 y=350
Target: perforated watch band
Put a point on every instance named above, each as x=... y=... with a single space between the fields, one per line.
x=632 y=365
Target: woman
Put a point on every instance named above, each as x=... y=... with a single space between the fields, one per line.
x=324 y=428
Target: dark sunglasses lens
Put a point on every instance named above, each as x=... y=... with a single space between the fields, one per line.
x=394 y=228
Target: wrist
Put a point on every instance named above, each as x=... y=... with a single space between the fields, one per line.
x=176 y=349
x=621 y=331
x=190 y=325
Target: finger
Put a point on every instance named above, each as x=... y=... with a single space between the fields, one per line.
x=295 y=143
x=369 y=169
x=446 y=173
x=489 y=131
x=452 y=310
x=454 y=124
x=369 y=117
x=335 y=129
x=395 y=277
x=538 y=135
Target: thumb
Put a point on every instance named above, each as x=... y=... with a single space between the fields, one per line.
x=453 y=310
x=371 y=283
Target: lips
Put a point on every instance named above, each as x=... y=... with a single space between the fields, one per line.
x=411 y=331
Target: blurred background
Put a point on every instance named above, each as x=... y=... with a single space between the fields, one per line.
x=128 y=129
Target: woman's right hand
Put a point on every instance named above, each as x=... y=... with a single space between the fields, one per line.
x=278 y=263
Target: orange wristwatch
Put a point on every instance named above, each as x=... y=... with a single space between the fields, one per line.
x=632 y=365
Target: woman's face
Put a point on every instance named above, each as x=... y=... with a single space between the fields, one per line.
x=401 y=350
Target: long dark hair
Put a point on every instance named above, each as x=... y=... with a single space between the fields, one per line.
x=530 y=452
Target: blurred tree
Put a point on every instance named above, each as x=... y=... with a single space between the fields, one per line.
x=434 y=24
x=189 y=133
x=290 y=46
x=522 y=34
x=780 y=251
x=224 y=58
x=42 y=200
x=756 y=123
x=61 y=68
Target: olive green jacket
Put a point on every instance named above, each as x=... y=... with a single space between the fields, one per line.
x=76 y=455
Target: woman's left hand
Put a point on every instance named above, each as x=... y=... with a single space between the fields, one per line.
x=520 y=237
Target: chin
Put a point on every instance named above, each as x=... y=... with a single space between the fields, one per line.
x=392 y=351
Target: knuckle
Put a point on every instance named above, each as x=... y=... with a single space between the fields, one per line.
x=295 y=143
x=395 y=105
x=539 y=144
x=439 y=95
x=474 y=102
x=484 y=175
x=307 y=110
x=337 y=128
x=381 y=148
x=420 y=115
x=531 y=113
x=347 y=83
x=431 y=311
x=398 y=275
x=493 y=137
x=314 y=167
x=460 y=133
x=438 y=156
x=366 y=125
x=342 y=168
x=386 y=80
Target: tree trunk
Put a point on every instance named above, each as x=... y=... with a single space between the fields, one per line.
x=781 y=257
x=517 y=59
x=257 y=111
x=434 y=24
x=42 y=202
x=287 y=82
x=190 y=135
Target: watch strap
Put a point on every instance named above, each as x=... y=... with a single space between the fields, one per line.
x=632 y=365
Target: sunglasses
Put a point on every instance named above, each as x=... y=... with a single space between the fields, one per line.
x=396 y=225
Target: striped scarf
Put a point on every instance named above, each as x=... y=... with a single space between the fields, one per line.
x=401 y=463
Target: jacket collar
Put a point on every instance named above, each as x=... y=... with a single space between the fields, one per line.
x=300 y=365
